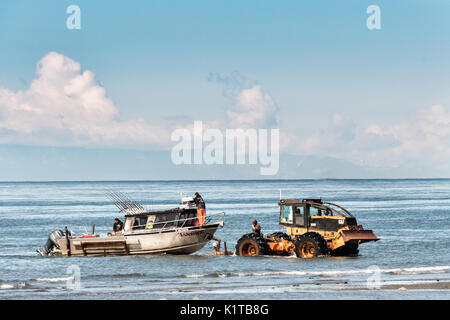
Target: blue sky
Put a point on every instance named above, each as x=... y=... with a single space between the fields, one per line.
x=316 y=59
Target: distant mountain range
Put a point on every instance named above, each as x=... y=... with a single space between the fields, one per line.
x=32 y=163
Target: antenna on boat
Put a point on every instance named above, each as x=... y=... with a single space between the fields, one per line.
x=280 y=194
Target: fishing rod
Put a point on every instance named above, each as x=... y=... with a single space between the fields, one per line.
x=125 y=203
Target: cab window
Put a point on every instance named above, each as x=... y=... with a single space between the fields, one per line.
x=298 y=216
x=286 y=214
x=314 y=212
x=139 y=223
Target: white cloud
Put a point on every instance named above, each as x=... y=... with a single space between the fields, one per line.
x=66 y=106
x=255 y=109
x=425 y=134
x=421 y=139
x=250 y=105
x=331 y=137
x=374 y=129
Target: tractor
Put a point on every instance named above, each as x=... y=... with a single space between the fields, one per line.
x=313 y=228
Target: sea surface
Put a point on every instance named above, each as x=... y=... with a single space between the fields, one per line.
x=412 y=218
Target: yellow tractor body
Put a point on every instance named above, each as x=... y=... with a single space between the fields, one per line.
x=313 y=228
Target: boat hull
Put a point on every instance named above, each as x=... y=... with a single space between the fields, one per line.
x=180 y=241
x=168 y=241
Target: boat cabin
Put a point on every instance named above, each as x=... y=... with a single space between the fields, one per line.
x=183 y=216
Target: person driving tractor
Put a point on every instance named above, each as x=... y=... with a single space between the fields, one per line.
x=256 y=228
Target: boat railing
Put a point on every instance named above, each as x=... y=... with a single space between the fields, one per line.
x=180 y=223
x=215 y=217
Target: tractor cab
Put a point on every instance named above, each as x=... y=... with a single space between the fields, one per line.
x=309 y=213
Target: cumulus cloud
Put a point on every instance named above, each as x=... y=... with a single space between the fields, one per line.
x=250 y=106
x=330 y=137
x=66 y=106
x=424 y=134
x=421 y=139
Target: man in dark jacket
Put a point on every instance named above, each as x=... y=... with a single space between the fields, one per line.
x=256 y=228
x=201 y=209
x=118 y=226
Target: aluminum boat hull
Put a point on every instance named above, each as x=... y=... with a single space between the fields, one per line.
x=185 y=240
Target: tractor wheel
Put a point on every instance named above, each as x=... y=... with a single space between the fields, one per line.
x=279 y=236
x=310 y=245
x=251 y=245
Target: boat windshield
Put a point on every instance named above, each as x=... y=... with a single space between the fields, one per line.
x=152 y=221
x=164 y=220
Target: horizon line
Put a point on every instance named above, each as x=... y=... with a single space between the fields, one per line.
x=208 y=180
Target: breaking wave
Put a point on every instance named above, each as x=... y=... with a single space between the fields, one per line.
x=329 y=273
x=14 y=286
x=60 y=279
x=117 y=275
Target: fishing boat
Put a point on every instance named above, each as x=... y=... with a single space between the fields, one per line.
x=172 y=231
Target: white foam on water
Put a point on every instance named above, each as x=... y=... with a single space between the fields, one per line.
x=13 y=286
x=195 y=275
x=333 y=273
x=330 y=273
x=52 y=279
x=438 y=269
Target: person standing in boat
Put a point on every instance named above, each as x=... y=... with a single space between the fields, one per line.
x=201 y=209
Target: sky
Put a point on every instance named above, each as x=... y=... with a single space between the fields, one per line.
x=375 y=99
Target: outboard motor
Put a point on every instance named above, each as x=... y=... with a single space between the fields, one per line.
x=46 y=250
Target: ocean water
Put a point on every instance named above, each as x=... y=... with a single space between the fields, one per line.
x=412 y=218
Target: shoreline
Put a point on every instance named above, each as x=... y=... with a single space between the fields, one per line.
x=437 y=285
x=429 y=284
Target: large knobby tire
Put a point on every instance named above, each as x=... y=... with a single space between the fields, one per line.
x=310 y=245
x=251 y=245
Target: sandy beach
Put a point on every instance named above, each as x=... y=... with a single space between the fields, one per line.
x=433 y=285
